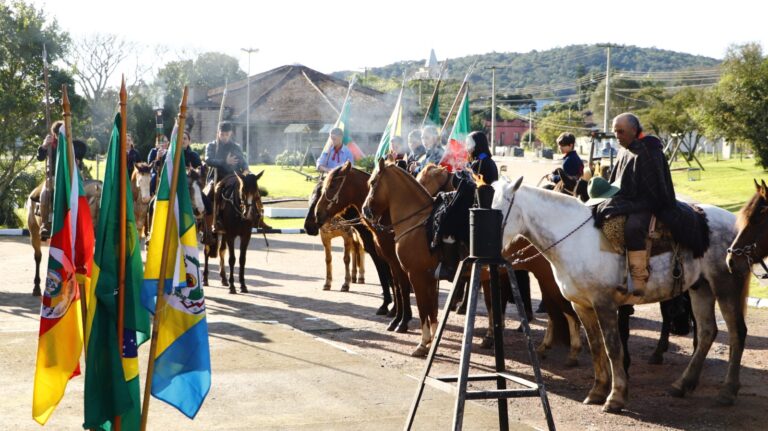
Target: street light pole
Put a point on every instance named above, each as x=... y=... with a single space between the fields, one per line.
x=248 y=106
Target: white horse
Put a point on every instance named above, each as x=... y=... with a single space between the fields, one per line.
x=590 y=277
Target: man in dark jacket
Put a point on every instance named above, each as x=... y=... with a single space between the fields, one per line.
x=645 y=190
x=224 y=157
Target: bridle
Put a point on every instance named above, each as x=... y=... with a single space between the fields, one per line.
x=515 y=259
x=391 y=227
x=335 y=199
x=749 y=253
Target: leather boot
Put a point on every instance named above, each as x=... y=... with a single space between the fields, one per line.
x=446 y=270
x=638 y=270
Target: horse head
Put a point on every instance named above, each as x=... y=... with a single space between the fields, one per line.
x=751 y=243
x=93 y=190
x=435 y=179
x=311 y=226
x=141 y=178
x=504 y=199
x=195 y=186
x=251 y=206
x=376 y=203
x=330 y=200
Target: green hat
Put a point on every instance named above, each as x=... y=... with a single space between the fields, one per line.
x=599 y=190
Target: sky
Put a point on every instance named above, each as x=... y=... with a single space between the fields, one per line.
x=333 y=35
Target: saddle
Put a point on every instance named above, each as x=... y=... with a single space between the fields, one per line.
x=684 y=225
x=613 y=232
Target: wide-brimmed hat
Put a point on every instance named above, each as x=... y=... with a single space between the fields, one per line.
x=599 y=189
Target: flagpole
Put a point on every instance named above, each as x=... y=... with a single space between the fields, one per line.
x=346 y=98
x=434 y=94
x=123 y=227
x=170 y=221
x=66 y=107
x=457 y=100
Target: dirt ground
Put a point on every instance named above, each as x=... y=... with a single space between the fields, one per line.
x=285 y=283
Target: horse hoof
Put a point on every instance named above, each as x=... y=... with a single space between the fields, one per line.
x=392 y=325
x=676 y=392
x=344 y=287
x=656 y=359
x=383 y=310
x=224 y=282
x=326 y=287
x=726 y=397
x=243 y=289
x=402 y=328
x=487 y=343
x=613 y=406
x=232 y=290
x=205 y=282
x=360 y=280
x=571 y=363
x=461 y=309
x=594 y=399
x=36 y=291
x=392 y=312
x=420 y=352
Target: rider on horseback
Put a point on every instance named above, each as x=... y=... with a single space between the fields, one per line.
x=225 y=158
x=646 y=191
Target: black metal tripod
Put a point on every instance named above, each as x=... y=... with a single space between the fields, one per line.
x=500 y=376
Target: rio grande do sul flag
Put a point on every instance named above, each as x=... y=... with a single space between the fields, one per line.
x=182 y=373
x=455 y=157
x=69 y=264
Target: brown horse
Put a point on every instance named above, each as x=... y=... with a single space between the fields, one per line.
x=394 y=191
x=92 y=190
x=140 y=179
x=354 y=251
x=345 y=189
x=563 y=323
x=240 y=210
x=750 y=246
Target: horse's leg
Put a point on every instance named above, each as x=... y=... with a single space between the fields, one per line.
x=404 y=292
x=205 y=264
x=326 y=239
x=385 y=279
x=423 y=286
x=575 y=337
x=360 y=255
x=38 y=257
x=348 y=250
x=657 y=357
x=607 y=316
x=601 y=386
x=232 y=260
x=222 y=266
x=244 y=240
x=731 y=301
x=703 y=304
x=624 y=312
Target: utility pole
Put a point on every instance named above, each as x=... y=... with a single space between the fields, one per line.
x=493 y=110
x=608 y=47
x=248 y=106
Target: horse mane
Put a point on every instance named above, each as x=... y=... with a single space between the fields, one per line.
x=750 y=210
x=409 y=178
x=429 y=168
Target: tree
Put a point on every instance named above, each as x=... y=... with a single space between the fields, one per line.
x=548 y=128
x=737 y=108
x=23 y=30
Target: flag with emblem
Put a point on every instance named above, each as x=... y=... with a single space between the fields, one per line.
x=112 y=379
x=69 y=264
x=455 y=156
x=182 y=371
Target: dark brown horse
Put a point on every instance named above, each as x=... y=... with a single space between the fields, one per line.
x=563 y=324
x=395 y=192
x=239 y=211
x=343 y=192
x=751 y=244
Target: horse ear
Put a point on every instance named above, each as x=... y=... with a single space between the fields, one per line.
x=258 y=176
x=517 y=184
x=346 y=167
x=757 y=185
x=764 y=188
x=381 y=164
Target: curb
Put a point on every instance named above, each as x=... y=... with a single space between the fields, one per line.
x=290 y=231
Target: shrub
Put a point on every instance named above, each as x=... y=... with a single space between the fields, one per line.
x=16 y=196
x=366 y=163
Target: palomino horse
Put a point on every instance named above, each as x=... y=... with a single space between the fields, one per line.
x=92 y=190
x=354 y=251
x=396 y=192
x=591 y=278
x=345 y=189
x=751 y=244
x=140 y=179
x=239 y=211
x=563 y=324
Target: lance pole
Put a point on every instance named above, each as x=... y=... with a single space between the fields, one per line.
x=458 y=98
x=434 y=94
x=170 y=223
